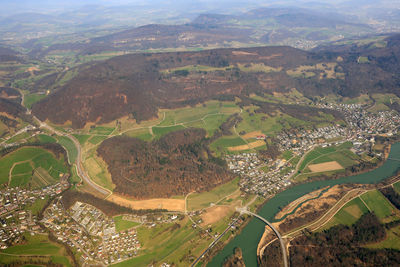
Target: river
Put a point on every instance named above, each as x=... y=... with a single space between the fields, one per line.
x=248 y=239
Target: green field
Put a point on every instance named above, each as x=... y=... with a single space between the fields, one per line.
x=25 y=160
x=175 y=243
x=378 y=204
x=160 y=131
x=208 y=116
x=349 y=214
x=35 y=245
x=37 y=206
x=142 y=134
x=19 y=137
x=96 y=139
x=45 y=138
x=69 y=145
x=22 y=168
x=30 y=99
x=392 y=240
x=82 y=138
x=340 y=153
x=122 y=225
x=203 y=200
x=101 y=130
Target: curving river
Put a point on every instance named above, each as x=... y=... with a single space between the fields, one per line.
x=248 y=239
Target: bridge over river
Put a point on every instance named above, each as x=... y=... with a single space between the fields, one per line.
x=244 y=210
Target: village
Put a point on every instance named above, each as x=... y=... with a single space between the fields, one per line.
x=18 y=213
x=91 y=233
x=266 y=177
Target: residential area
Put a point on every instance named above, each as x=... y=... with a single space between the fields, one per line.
x=266 y=177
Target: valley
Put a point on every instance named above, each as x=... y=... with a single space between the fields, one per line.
x=155 y=144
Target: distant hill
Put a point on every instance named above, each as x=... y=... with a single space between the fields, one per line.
x=297 y=27
x=139 y=84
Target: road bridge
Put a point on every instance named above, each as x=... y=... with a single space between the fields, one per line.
x=283 y=247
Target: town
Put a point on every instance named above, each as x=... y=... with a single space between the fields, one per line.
x=266 y=177
x=91 y=233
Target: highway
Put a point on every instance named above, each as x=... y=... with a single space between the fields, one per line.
x=283 y=247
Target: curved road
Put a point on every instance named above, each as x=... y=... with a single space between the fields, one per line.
x=285 y=262
x=80 y=171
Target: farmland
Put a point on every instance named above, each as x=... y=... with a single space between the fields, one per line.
x=35 y=245
x=18 y=167
x=122 y=224
x=202 y=200
x=340 y=153
x=375 y=201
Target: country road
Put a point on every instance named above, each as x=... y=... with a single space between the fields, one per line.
x=80 y=171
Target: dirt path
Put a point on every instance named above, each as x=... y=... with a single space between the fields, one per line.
x=12 y=167
x=365 y=203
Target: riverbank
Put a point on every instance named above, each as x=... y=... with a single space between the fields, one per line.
x=249 y=238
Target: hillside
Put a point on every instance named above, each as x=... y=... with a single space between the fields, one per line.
x=176 y=164
x=298 y=27
x=139 y=84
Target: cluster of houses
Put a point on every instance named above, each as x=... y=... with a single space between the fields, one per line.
x=266 y=178
x=15 y=211
x=90 y=233
x=253 y=179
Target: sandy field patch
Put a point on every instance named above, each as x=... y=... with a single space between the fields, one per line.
x=324 y=167
x=252 y=135
x=214 y=214
x=251 y=145
x=155 y=203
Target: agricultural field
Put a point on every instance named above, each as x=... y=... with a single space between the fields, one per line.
x=30 y=166
x=376 y=202
x=96 y=139
x=19 y=137
x=326 y=166
x=121 y=224
x=209 y=115
x=341 y=154
x=97 y=170
x=197 y=201
x=70 y=147
x=177 y=243
x=222 y=144
x=35 y=245
x=392 y=240
x=101 y=130
x=160 y=131
x=143 y=134
x=349 y=214
x=46 y=138
x=30 y=99
x=82 y=138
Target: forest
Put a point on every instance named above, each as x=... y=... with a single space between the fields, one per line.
x=343 y=246
x=176 y=164
x=108 y=90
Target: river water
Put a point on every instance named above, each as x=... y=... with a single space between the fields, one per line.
x=248 y=239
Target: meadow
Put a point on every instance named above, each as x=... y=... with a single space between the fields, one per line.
x=197 y=201
x=17 y=168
